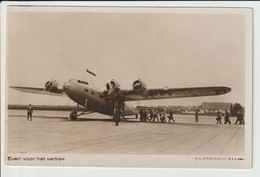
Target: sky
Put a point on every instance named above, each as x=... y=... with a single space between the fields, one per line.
x=164 y=47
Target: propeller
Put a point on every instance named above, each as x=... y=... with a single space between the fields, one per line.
x=49 y=84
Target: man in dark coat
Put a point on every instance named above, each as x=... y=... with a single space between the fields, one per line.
x=29 y=113
x=227 y=115
x=218 y=118
x=145 y=115
x=240 y=117
x=171 y=117
x=141 y=112
x=196 y=116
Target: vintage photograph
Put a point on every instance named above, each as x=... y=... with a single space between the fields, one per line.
x=152 y=87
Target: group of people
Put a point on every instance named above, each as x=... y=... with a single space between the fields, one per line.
x=240 y=117
x=155 y=115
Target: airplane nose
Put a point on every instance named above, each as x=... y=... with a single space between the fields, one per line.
x=66 y=85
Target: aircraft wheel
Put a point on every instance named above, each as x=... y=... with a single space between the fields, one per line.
x=73 y=115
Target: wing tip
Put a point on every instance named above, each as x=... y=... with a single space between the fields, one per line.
x=223 y=90
x=227 y=89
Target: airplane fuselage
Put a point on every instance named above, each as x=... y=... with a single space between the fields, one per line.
x=83 y=94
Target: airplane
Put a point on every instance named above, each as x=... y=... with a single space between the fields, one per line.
x=114 y=101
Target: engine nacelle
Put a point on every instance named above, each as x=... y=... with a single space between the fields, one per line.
x=139 y=86
x=113 y=88
x=52 y=86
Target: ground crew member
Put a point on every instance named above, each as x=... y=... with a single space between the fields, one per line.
x=141 y=112
x=151 y=114
x=239 y=118
x=218 y=118
x=145 y=115
x=162 y=117
x=196 y=116
x=29 y=113
x=171 y=117
x=227 y=115
x=156 y=115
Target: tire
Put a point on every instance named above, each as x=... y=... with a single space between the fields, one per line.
x=73 y=115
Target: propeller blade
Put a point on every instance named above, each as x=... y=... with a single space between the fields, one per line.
x=47 y=85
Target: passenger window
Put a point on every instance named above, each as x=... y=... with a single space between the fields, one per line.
x=86 y=90
x=82 y=82
x=92 y=93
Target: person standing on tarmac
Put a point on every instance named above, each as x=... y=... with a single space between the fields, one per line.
x=218 y=118
x=156 y=116
x=227 y=115
x=171 y=117
x=196 y=116
x=29 y=113
x=240 y=118
x=164 y=115
x=151 y=114
x=141 y=112
x=145 y=115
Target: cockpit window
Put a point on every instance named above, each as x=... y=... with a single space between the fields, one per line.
x=82 y=82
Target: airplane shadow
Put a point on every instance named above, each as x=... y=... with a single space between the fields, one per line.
x=129 y=120
x=100 y=119
x=51 y=117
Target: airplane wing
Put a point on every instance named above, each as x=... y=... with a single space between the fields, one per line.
x=42 y=91
x=148 y=94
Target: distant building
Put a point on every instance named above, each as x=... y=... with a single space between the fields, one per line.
x=211 y=107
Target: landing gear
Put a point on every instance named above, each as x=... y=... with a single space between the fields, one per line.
x=73 y=115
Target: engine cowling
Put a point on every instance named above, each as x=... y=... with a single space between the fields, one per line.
x=52 y=86
x=113 y=88
x=139 y=86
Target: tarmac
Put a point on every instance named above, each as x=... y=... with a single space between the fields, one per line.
x=52 y=132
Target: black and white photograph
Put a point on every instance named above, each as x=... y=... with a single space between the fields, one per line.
x=152 y=87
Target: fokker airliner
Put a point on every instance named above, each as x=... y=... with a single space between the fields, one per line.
x=114 y=101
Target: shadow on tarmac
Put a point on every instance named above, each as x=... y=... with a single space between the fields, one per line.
x=128 y=120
